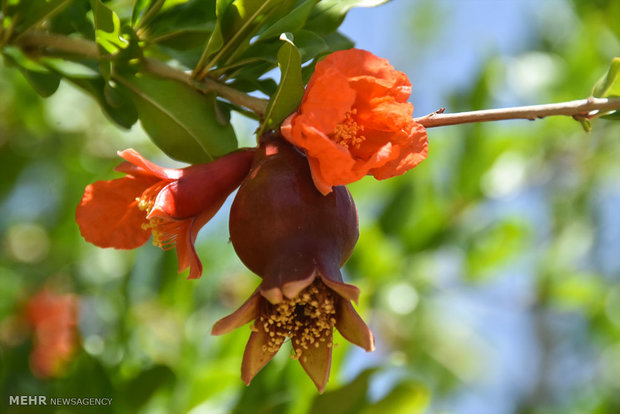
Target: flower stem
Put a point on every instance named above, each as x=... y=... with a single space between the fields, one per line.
x=580 y=109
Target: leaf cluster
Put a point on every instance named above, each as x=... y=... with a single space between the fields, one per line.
x=232 y=43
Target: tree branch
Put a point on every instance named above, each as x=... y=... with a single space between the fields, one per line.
x=583 y=108
x=580 y=109
x=45 y=42
x=256 y=105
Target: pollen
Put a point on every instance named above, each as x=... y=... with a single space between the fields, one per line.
x=308 y=320
x=349 y=133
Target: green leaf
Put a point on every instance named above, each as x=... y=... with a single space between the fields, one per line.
x=291 y=88
x=73 y=19
x=139 y=6
x=586 y=124
x=613 y=116
x=216 y=40
x=253 y=71
x=348 y=399
x=31 y=12
x=116 y=45
x=182 y=40
x=334 y=41
x=115 y=102
x=144 y=15
x=128 y=58
x=338 y=41
x=405 y=398
x=42 y=81
x=235 y=27
x=243 y=14
x=107 y=35
x=138 y=391
x=117 y=105
x=179 y=120
x=292 y=22
x=107 y=29
x=261 y=57
x=309 y=44
x=267 y=86
x=247 y=18
x=328 y=15
x=194 y=16
x=609 y=84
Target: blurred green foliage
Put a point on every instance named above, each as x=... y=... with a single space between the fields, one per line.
x=514 y=217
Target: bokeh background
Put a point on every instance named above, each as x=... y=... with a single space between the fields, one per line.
x=490 y=274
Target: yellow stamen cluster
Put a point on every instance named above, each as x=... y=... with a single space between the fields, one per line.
x=348 y=132
x=146 y=201
x=307 y=319
x=164 y=231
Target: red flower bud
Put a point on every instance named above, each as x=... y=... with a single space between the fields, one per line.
x=296 y=239
x=171 y=204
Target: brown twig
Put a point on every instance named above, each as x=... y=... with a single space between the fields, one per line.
x=583 y=108
x=44 y=42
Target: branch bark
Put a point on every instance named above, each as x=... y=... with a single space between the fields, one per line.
x=46 y=43
x=583 y=108
x=52 y=43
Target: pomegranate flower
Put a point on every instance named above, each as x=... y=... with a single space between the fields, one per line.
x=355 y=120
x=296 y=239
x=54 y=321
x=171 y=204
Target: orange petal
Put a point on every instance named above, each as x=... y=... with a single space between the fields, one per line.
x=385 y=115
x=320 y=182
x=379 y=158
x=321 y=106
x=352 y=327
x=372 y=90
x=108 y=215
x=317 y=361
x=414 y=151
x=186 y=252
x=357 y=62
x=138 y=165
x=255 y=357
x=330 y=163
x=245 y=314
